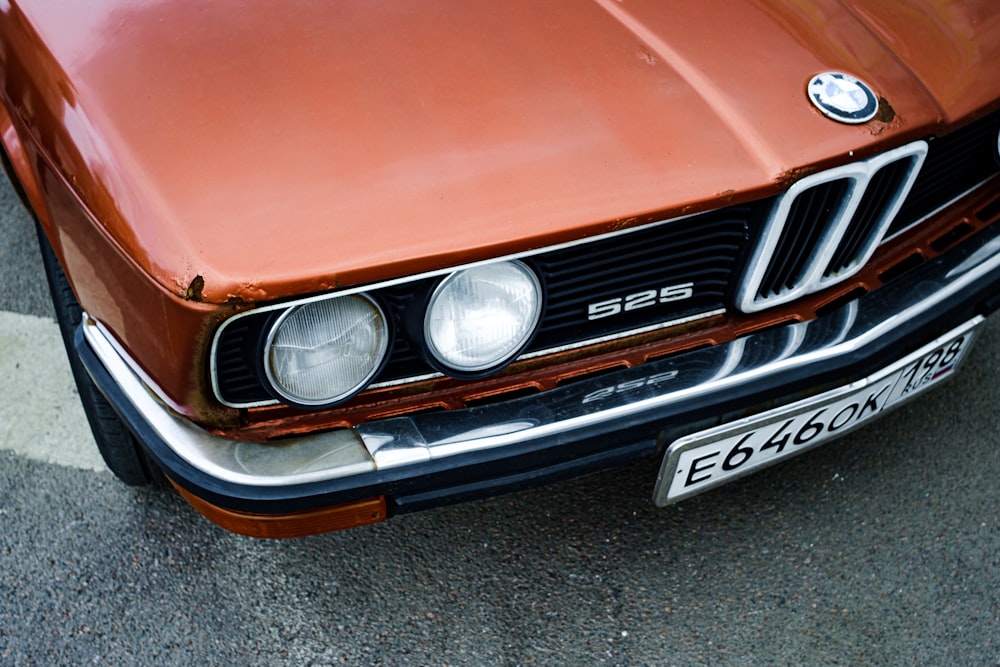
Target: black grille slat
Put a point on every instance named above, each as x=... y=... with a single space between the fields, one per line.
x=955 y=163
x=649 y=272
x=703 y=250
x=630 y=257
x=236 y=362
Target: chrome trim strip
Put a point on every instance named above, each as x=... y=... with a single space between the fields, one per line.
x=251 y=404
x=625 y=334
x=623 y=397
x=407 y=380
x=573 y=346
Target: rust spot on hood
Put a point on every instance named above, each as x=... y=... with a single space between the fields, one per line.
x=885 y=118
x=622 y=223
x=726 y=196
x=195 y=289
x=238 y=302
x=786 y=178
x=885 y=114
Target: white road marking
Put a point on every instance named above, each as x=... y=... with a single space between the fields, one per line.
x=40 y=413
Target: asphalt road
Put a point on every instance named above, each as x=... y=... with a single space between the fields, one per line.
x=880 y=548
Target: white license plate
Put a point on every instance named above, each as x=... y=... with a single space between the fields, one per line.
x=700 y=461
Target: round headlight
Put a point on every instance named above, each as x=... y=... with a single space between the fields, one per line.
x=479 y=318
x=325 y=351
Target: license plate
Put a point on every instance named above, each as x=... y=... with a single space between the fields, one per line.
x=700 y=461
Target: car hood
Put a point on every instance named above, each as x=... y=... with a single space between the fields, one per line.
x=271 y=149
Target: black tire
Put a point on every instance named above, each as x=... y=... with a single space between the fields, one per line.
x=121 y=451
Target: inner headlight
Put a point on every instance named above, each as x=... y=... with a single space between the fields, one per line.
x=323 y=352
x=479 y=318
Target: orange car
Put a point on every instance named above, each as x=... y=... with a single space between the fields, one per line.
x=321 y=263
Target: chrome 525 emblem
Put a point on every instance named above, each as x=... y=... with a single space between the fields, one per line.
x=842 y=97
x=639 y=300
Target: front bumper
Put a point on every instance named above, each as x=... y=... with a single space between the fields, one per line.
x=431 y=459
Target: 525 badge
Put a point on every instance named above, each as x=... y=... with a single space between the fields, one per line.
x=639 y=300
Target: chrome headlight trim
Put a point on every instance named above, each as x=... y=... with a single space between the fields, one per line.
x=379 y=329
x=525 y=327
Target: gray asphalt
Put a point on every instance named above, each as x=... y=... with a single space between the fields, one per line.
x=880 y=548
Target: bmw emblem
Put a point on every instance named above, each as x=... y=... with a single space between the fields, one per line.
x=842 y=97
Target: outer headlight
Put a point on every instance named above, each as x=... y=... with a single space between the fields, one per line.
x=323 y=352
x=479 y=318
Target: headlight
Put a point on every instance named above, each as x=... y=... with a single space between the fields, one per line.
x=323 y=352
x=479 y=318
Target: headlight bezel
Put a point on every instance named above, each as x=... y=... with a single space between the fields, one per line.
x=273 y=328
x=433 y=356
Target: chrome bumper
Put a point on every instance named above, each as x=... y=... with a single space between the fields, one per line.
x=669 y=394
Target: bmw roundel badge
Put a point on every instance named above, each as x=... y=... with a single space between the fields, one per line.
x=842 y=97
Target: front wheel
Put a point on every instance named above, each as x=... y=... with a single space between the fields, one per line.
x=119 y=448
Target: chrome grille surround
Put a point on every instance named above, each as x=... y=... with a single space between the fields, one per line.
x=794 y=257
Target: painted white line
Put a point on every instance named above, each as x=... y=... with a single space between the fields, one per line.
x=40 y=413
